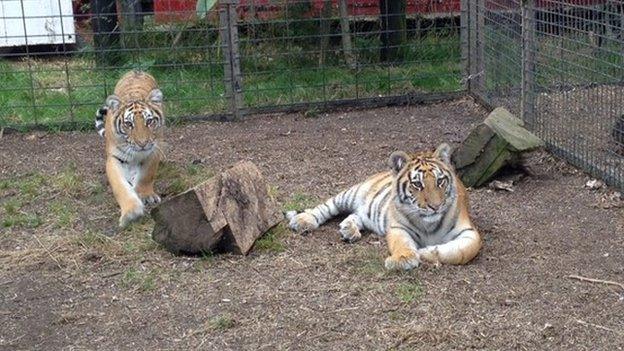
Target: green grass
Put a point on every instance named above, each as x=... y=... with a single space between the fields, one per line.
x=299 y=202
x=139 y=280
x=176 y=178
x=63 y=212
x=271 y=241
x=21 y=198
x=16 y=195
x=409 y=292
x=190 y=72
x=568 y=59
x=221 y=322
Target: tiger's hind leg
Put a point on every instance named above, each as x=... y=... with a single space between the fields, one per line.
x=350 y=228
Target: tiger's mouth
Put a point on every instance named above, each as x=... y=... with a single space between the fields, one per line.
x=145 y=148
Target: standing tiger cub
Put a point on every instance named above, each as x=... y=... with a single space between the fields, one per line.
x=132 y=123
x=420 y=206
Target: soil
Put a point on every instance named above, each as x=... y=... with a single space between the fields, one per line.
x=64 y=287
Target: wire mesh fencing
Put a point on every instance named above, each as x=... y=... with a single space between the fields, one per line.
x=559 y=65
x=59 y=59
x=556 y=63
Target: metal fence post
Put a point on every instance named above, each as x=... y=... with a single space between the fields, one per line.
x=228 y=29
x=476 y=21
x=464 y=39
x=480 y=74
x=527 y=102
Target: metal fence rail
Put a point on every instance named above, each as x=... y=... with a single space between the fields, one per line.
x=559 y=65
x=225 y=61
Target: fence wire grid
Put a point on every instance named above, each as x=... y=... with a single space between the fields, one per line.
x=221 y=59
x=557 y=64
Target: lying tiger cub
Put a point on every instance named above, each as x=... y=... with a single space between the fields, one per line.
x=132 y=122
x=420 y=206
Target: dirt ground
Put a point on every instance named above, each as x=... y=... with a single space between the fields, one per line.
x=66 y=286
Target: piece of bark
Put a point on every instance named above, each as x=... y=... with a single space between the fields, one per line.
x=497 y=142
x=226 y=213
x=246 y=206
x=191 y=223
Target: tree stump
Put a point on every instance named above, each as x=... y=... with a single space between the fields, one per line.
x=224 y=214
x=495 y=143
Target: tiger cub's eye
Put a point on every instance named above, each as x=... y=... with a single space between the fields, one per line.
x=418 y=185
x=128 y=124
x=442 y=181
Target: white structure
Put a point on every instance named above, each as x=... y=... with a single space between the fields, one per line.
x=36 y=22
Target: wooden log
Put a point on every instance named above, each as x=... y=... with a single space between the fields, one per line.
x=191 y=222
x=226 y=213
x=492 y=145
x=246 y=206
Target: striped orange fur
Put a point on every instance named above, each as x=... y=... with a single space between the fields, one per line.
x=132 y=122
x=420 y=206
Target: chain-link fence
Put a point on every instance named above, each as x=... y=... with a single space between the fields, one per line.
x=559 y=65
x=223 y=59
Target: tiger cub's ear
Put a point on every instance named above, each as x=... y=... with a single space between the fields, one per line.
x=443 y=152
x=113 y=102
x=398 y=160
x=155 y=96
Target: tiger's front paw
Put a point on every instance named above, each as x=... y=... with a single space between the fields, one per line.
x=150 y=199
x=349 y=232
x=301 y=223
x=131 y=215
x=430 y=255
x=402 y=261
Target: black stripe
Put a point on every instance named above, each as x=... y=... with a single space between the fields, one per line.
x=333 y=200
x=118 y=125
x=380 y=206
x=315 y=217
x=118 y=159
x=353 y=196
x=406 y=229
x=439 y=224
x=320 y=207
x=460 y=233
x=403 y=192
x=370 y=206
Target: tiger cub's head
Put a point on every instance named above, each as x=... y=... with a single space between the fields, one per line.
x=137 y=124
x=424 y=182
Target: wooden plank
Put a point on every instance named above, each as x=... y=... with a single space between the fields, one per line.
x=472 y=146
x=510 y=128
x=181 y=223
x=246 y=206
x=473 y=174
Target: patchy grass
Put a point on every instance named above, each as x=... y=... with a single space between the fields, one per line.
x=23 y=199
x=69 y=182
x=366 y=260
x=221 y=322
x=175 y=178
x=135 y=279
x=271 y=241
x=409 y=292
x=63 y=213
x=299 y=202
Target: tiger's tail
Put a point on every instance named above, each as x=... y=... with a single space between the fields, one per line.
x=99 y=120
x=312 y=218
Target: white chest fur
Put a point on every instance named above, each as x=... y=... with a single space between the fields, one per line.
x=131 y=172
